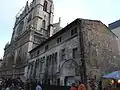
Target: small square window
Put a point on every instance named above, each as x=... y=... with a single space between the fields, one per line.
x=59 y=40
x=74 y=31
x=75 y=51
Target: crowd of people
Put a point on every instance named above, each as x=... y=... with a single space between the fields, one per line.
x=18 y=84
x=11 y=84
x=79 y=86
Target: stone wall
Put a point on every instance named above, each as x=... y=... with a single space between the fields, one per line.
x=24 y=37
x=101 y=50
x=64 y=67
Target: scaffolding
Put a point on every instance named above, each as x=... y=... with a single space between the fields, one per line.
x=22 y=9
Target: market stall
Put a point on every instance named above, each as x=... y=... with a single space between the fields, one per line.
x=113 y=80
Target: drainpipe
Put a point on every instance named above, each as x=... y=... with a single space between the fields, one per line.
x=82 y=52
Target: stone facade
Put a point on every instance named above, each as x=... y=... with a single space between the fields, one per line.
x=62 y=60
x=115 y=28
x=101 y=50
x=32 y=27
x=55 y=60
x=83 y=50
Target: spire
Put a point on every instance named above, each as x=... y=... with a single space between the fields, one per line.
x=27 y=6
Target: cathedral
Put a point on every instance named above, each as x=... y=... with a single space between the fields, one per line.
x=41 y=50
x=33 y=25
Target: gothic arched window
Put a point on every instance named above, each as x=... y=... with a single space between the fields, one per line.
x=43 y=24
x=45 y=6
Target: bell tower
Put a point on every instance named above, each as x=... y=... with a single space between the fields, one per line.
x=38 y=15
x=32 y=26
x=42 y=16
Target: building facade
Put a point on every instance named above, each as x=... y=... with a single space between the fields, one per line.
x=83 y=50
x=32 y=26
x=115 y=28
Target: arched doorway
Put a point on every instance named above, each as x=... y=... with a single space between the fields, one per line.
x=69 y=70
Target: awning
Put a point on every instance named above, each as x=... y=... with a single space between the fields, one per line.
x=113 y=75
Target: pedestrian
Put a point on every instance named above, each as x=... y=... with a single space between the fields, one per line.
x=81 y=86
x=73 y=87
x=38 y=87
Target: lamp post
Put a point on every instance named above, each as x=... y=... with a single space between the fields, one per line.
x=13 y=66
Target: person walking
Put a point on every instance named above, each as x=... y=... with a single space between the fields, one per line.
x=73 y=87
x=38 y=87
x=81 y=86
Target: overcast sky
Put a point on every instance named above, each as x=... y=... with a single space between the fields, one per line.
x=105 y=10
